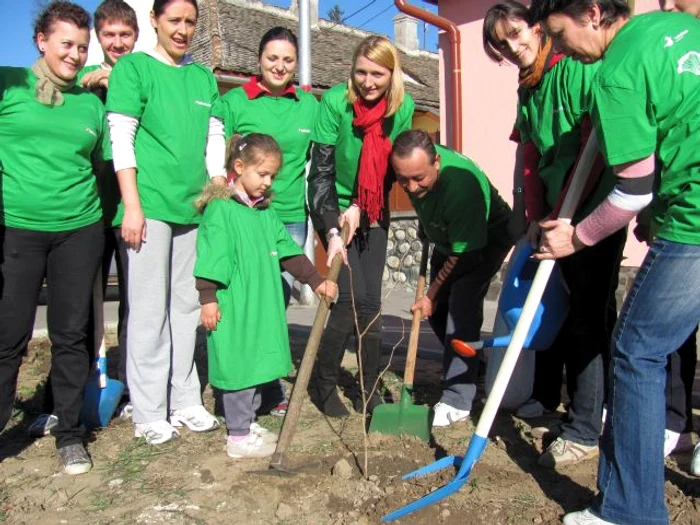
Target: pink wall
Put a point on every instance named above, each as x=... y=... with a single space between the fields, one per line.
x=489 y=101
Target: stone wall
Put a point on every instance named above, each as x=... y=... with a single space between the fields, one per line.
x=404 y=251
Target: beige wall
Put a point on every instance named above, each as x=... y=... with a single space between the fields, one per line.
x=489 y=101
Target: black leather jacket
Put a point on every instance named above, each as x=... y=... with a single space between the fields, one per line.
x=323 y=197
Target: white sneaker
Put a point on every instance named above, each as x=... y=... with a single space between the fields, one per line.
x=531 y=408
x=196 y=418
x=584 y=517
x=695 y=462
x=252 y=447
x=445 y=415
x=267 y=435
x=125 y=410
x=156 y=432
x=670 y=441
x=42 y=425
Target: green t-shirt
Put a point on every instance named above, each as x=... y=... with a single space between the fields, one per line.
x=463 y=211
x=47 y=155
x=240 y=248
x=289 y=120
x=173 y=105
x=334 y=127
x=646 y=99
x=550 y=116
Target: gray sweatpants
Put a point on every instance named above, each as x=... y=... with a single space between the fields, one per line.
x=163 y=319
x=240 y=407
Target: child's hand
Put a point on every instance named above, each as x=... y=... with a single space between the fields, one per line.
x=210 y=316
x=327 y=290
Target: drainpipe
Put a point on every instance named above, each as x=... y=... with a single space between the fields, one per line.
x=306 y=294
x=453 y=33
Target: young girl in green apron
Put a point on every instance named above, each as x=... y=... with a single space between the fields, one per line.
x=241 y=245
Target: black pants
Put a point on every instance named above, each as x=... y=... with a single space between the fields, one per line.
x=680 y=374
x=584 y=340
x=459 y=314
x=366 y=257
x=69 y=261
x=112 y=240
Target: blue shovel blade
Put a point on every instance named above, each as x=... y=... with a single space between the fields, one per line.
x=476 y=448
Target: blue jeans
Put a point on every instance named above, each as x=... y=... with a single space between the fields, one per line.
x=660 y=312
x=297 y=230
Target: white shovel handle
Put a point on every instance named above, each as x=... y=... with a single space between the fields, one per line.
x=99 y=317
x=534 y=297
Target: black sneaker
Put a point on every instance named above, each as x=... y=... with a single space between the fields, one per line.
x=75 y=459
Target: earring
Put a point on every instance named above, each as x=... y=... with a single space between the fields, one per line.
x=595 y=27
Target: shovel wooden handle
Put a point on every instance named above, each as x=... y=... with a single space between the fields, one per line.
x=289 y=425
x=410 y=367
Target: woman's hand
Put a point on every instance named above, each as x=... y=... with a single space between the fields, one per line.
x=210 y=316
x=327 y=290
x=558 y=240
x=134 y=227
x=425 y=305
x=336 y=246
x=351 y=217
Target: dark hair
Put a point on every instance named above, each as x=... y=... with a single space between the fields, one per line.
x=251 y=148
x=115 y=11
x=60 y=11
x=277 y=33
x=160 y=5
x=611 y=10
x=411 y=139
x=507 y=10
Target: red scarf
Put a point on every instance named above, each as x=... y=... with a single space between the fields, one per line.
x=374 y=158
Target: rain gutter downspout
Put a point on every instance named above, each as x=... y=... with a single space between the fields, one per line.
x=456 y=58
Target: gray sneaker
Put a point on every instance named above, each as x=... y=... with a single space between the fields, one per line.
x=75 y=459
x=42 y=425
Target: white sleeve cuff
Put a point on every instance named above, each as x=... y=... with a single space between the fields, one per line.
x=122 y=129
x=216 y=149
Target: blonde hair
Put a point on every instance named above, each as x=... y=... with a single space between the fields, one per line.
x=380 y=50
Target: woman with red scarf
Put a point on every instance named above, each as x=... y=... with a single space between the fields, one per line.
x=349 y=184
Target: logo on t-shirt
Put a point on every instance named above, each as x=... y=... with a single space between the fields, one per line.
x=201 y=103
x=669 y=41
x=91 y=132
x=273 y=254
x=304 y=130
x=689 y=63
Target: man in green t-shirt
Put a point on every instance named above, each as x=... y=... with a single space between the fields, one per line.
x=465 y=217
x=117 y=30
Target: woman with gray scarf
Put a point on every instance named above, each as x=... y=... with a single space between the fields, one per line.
x=52 y=132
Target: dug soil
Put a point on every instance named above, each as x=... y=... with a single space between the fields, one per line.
x=191 y=480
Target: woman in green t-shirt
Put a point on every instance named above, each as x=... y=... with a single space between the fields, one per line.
x=269 y=103
x=646 y=112
x=349 y=184
x=551 y=128
x=161 y=108
x=52 y=135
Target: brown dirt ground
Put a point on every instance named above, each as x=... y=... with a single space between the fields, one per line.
x=192 y=481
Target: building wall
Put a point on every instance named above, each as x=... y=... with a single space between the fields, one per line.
x=489 y=101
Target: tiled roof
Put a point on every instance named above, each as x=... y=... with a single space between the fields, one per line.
x=228 y=35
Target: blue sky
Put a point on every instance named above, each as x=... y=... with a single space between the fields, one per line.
x=17 y=49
